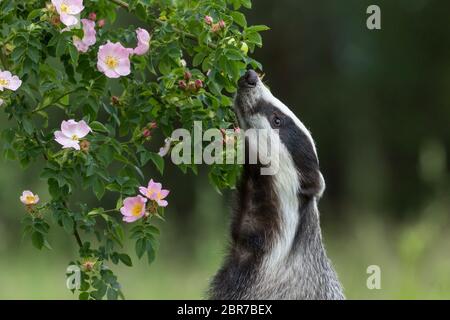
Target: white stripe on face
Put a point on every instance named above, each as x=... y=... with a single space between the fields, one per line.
x=250 y=96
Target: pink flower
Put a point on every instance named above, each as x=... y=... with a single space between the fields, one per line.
x=67 y=10
x=165 y=149
x=29 y=198
x=71 y=133
x=209 y=20
x=155 y=193
x=8 y=81
x=143 y=42
x=133 y=208
x=114 y=60
x=89 y=37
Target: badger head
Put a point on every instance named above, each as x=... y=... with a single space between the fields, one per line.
x=298 y=164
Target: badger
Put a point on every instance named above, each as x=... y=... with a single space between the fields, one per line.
x=276 y=249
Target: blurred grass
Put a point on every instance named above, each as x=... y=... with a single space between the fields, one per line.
x=413 y=258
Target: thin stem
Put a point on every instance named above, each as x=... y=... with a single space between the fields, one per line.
x=77 y=235
x=120 y=3
x=54 y=101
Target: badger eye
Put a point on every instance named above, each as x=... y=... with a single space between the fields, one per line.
x=276 y=121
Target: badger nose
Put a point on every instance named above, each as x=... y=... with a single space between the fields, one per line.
x=249 y=79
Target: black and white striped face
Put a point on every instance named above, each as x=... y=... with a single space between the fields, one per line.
x=257 y=108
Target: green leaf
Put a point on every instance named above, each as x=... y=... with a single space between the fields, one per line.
x=99 y=188
x=247 y=3
x=37 y=239
x=33 y=14
x=198 y=58
x=84 y=296
x=257 y=28
x=61 y=46
x=73 y=54
x=141 y=12
x=140 y=247
x=111 y=294
x=126 y=260
x=239 y=18
x=98 y=126
x=158 y=161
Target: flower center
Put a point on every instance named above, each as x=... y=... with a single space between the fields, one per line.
x=158 y=195
x=136 y=211
x=64 y=8
x=112 y=62
x=4 y=82
x=75 y=137
x=29 y=199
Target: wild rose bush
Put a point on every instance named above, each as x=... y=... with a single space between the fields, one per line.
x=114 y=88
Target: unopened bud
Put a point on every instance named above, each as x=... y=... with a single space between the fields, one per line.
x=198 y=84
x=153 y=125
x=54 y=20
x=115 y=100
x=187 y=75
x=208 y=20
x=84 y=145
x=146 y=133
x=101 y=23
x=182 y=85
x=92 y=16
x=221 y=24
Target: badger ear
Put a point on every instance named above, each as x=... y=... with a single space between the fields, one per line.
x=312 y=184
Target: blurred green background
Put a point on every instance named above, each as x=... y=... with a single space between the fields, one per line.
x=378 y=106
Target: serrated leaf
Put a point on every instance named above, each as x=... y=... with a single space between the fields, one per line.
x=239 y=18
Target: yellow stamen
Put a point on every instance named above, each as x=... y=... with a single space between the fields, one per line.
x=75 y=137
x=64 y=8
x=137 y=209
x=4 y=82
x=30 y=199
x=111 y=62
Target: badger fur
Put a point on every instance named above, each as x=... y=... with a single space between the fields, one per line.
x=276 y=249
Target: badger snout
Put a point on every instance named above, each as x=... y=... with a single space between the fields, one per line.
x=249 y=92
x=248 y=80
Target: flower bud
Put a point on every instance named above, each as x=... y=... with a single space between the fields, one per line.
x=92 y=16
x=182 y=85
x=146 y=133
x=215 y=27
x=115 y=101
x=54 y=20
x=101 y=23
x=208 y=20
x=192 y=86
x=198 y=84
x=187 y=75
x=84 y=145
x=153 y=125
x=50 y=7
x=221 y=24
